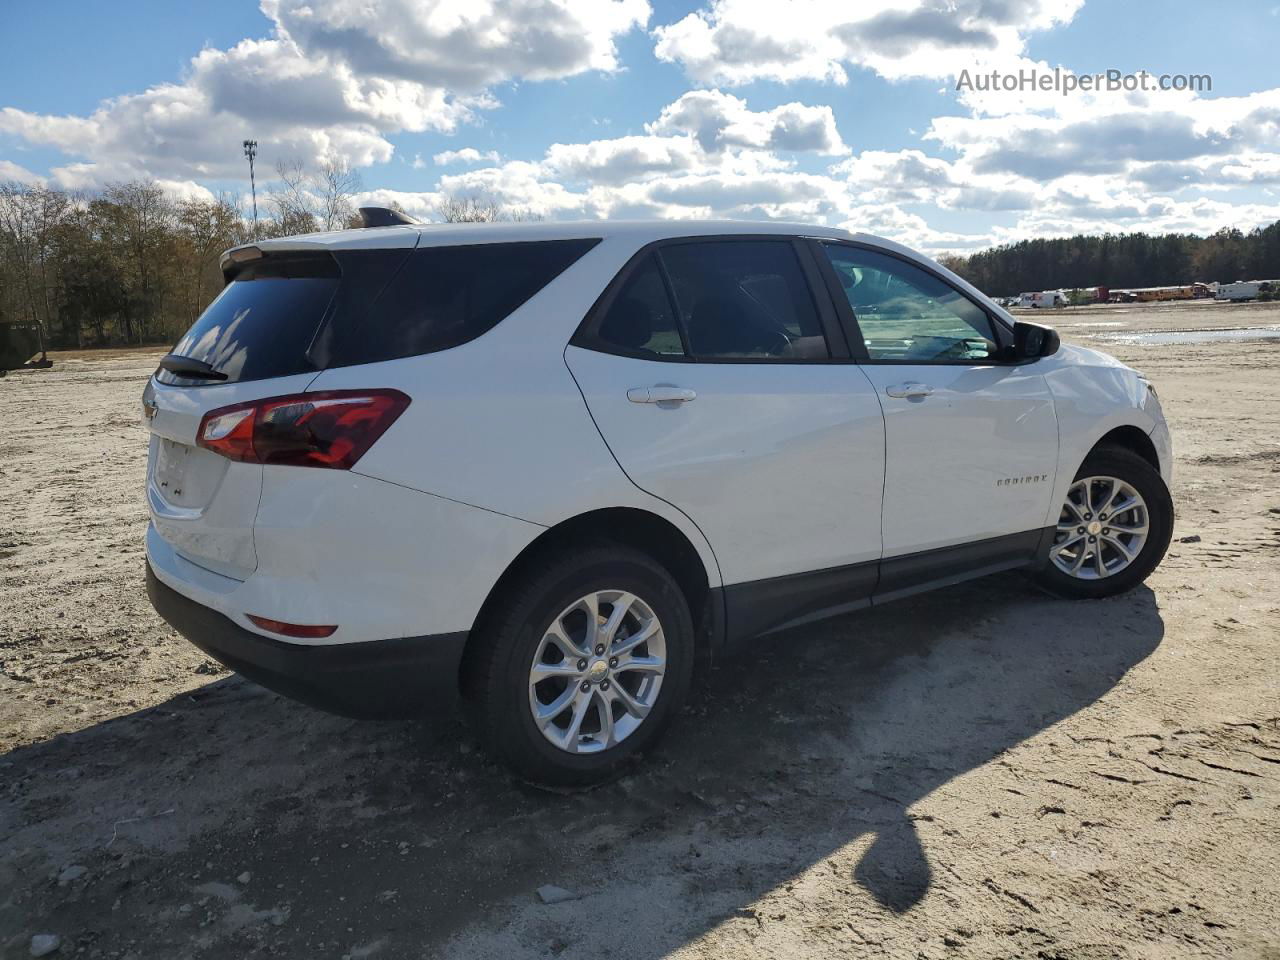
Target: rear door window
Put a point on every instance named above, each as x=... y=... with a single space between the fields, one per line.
x=263 y=322
x=745 y=299
x=640 y=320
x=444 y=296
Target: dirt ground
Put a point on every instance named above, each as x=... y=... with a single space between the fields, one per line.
x=981 y=772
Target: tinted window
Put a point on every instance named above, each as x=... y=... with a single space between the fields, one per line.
x=444 y=296
x=263 y=322
x=640 y=317
x=744 y=299
x=910 y=315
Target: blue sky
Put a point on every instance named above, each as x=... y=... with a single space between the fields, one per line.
x=799 y=109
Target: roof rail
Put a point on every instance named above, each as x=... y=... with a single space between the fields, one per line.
x=383 y=217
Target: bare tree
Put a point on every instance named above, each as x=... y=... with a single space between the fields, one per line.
x=470 y=208
x=29 y=220
x=305 y=202
x=336 y=184
x=142 y=221
x=293 y=200
x=204 y=229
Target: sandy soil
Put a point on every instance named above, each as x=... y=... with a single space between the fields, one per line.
x=982 y=772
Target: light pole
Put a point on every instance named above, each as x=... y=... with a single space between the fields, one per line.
x=251 y=151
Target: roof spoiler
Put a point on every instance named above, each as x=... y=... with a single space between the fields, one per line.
x=384 y=217
x=237 y=256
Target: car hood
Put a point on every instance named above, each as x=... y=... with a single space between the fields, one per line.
x=1076 y=365
x=1070 y=353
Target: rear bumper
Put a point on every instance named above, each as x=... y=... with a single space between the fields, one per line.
x=407 y=676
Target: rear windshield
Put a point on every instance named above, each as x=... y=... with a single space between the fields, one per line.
x=286 y=315
x=263 y=322
x=445 y=296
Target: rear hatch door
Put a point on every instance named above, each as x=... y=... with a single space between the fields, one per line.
x=262 y=337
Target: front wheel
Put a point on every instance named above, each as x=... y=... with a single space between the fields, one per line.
x=1113 y=529
x=579 y=667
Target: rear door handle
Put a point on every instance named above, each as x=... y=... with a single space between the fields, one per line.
x=910 y=390
x=663 y=393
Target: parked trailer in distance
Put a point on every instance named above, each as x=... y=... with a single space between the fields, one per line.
x=1246 y=289
x=19 y=343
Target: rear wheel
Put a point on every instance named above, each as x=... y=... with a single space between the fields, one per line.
x=580 y=666
x=1113 y=528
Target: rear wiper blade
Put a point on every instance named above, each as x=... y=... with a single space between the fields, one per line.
x=190 y=367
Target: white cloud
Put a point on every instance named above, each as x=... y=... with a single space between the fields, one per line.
x=1140 y=134
x=739 y=41
x=464 y=47
x=911 y=176
x=894 y=176
x=465 y=155
x=10 y=171
x=1157 y=215
x=890 y=220
x=1246 y=169
x=708 y=155
x=423 y=206
x=186 y=190
x=719 y=120
x=333 y=81
x=622 y=160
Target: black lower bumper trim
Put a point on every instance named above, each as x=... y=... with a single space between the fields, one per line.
x=407 y=676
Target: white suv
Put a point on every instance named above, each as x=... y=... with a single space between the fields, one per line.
x=546 y=466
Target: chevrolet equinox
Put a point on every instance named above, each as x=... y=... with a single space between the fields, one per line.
x=542 y=467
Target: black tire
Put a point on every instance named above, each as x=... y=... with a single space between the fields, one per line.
x=502 y=650
x=1108 y=461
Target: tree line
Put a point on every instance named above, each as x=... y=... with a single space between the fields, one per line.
x=1122 y=261
x=133 y=265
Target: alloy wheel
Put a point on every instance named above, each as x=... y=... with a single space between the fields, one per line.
x=597 y=671
x=1102 y=528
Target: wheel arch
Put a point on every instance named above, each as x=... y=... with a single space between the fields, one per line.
x=1118 y=445
x=1131 y=438
x=1078 y=440
x=641 y=530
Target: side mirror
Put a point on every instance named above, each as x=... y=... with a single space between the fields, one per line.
x=1032 y=340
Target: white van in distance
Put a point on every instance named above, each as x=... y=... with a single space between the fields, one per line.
x=1043 y=299
x=1240 y=290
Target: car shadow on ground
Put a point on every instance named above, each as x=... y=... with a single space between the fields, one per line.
x=400 y=837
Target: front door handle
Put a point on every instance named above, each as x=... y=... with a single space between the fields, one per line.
x=911 y=390
x=663 y=393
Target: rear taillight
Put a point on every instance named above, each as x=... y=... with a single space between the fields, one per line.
x=332 y=428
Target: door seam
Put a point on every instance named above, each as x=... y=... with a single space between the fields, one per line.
x=605 y=440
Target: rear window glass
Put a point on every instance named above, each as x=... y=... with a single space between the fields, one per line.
x=445 y=296
x=262 y=323
x=745 y=299
x=640 y=319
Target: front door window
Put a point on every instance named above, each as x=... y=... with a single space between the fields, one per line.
x=908 y=315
